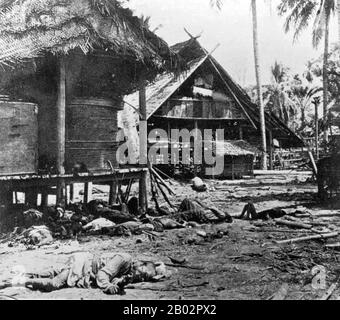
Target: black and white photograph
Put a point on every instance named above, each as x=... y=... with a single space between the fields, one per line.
x=170 y=150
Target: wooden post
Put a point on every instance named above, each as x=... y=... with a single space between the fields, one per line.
x=113 y=193
x=88 y=188
x=61 y=128
x=241 y=132
x=143 y=198
x=232 y=168
x=6 y=201
x=31 y=197
x=44 y=198
x=71 y=192
x=316 y=130
x=271 y=155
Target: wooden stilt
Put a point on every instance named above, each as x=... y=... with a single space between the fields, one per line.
x=113 y=193
x=72 y=192
x=61 y=188
x=66 y=195
x=32 y=197
x=128 y=191
x=44 y=198
x=88 y=188
x=61 y=128
x=143 y=201
x=143 y=197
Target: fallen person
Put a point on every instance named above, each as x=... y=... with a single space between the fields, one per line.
x=99 y=209
x=161 y=223
x=249 y=213
x=197 y=212
x=85 y=270
x=38 y=235
x=98 y=225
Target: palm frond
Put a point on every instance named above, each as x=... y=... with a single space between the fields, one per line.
x=216 y=3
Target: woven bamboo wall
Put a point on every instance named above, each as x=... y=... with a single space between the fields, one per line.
x=91 y=129
x=237 y=167
x=18 y=138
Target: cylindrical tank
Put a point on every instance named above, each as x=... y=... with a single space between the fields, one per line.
x=91 y=127
x=18 y=138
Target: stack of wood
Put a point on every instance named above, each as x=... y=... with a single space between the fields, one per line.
x=159 y=185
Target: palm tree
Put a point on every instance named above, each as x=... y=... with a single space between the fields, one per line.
x=302 y=96
x=338 y=13
x=219 y=3
x=277 y=95
x=299 y=15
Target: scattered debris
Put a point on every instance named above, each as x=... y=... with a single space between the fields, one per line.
x=198 y=185
x=330 y=291
x=308 y=238
x=281 y=294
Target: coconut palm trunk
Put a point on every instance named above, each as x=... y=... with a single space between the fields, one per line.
x=325 y=79
x=338 y=14
x=259 y=86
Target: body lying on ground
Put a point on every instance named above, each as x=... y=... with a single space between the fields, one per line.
x=197 y=212
x=85 y=270
x=100 y=209
x=249 y=213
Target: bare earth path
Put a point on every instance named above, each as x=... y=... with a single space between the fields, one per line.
x=244 y=264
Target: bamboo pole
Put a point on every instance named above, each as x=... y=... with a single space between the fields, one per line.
x=161 y=190
x=293 y=224
x=308 y=238
x=171 y=191
x=163 y=173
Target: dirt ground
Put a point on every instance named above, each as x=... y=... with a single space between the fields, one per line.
x=245 y=264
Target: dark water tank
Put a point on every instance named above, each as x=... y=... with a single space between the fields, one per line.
x=18 y=138
x=91 y=128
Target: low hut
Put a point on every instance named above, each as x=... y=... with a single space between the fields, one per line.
x=238 y=158
x=205 y=96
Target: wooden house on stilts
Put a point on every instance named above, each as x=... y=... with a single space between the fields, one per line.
x=206 y=97
x=66 y=66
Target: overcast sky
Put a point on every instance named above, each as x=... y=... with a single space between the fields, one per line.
x=232 y=28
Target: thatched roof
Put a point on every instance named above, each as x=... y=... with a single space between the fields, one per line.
x=235 y=148
x=166 y=84
x=31 y=27
x=162 y=88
